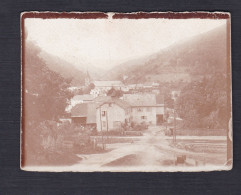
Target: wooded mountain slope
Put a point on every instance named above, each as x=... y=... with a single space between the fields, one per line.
x=190 y=59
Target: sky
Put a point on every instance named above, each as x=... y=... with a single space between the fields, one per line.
x=105 y=43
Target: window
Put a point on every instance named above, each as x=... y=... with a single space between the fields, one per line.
x=139 y=109
x=143 y=117
x=103 y=124
x=103 y=113
x=127 y=111
x=116 y=124
x=148 y=109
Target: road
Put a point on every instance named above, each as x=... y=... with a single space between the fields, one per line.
x=152 y=152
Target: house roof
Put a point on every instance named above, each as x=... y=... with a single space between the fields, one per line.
x=108 y=83
x=160 y=99
x=101 y=99
x=87 y=110
x=137 y=100
x=123 y=104
x=85 y=97
x=139 y=85
x=148 y=83
x=80 y=110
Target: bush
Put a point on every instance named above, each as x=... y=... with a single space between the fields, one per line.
x=94 y=132
x=111 y=133
x=139 y=127
x=51 y=141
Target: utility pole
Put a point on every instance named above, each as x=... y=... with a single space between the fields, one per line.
x=101 y=130
x=107 y=124
x=174 y=130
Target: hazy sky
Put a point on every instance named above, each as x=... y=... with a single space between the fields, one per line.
x=109 y=42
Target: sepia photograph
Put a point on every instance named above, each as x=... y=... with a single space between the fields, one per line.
x=126 y=92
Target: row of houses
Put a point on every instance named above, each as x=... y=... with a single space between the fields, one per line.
x=101 y=87
x=109 y=113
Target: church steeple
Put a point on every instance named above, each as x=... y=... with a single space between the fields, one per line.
x=87 y=78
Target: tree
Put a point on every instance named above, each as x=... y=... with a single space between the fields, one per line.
x=46 y=92
x=203 y=104
x=89 y=88
x=114 y=93
x=45 y=99
x=169 y=102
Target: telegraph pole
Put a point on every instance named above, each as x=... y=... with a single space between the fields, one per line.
x=101 y=130
x=107 y=125
x=174 y=130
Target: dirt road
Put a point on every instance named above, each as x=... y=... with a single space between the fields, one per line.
x=152 y=150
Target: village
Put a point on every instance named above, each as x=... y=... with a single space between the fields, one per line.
x=154 y=111
x=128 y=124
x=112 y=106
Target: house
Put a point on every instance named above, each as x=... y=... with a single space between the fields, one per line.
x=139 y=86
x=154 y=84
x=147 y=85
x=74 y=89
x=85 y=98
x=95 y=92
x=79 y=99
x=112 y=114
x=144 y=108
x=101 y=99
x=159 y=109
x=125 y=88
x=155 y=91
x=150 y=85
x=84 y=114
x=64 y=120
x=131 y=86
x=107 y=85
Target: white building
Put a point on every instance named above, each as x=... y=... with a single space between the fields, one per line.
x=145 y=108
x=95 y=92
x=111 y=114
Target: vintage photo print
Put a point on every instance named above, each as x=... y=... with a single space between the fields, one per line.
x=126 y=92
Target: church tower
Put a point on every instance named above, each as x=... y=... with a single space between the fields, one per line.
x=87 y=79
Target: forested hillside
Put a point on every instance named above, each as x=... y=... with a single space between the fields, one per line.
x=64 y=68
x=204 y=54
x=197 y=68
x=204 y=104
